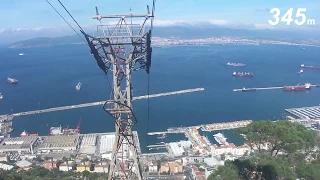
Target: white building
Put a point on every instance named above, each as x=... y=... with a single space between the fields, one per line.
x=178 y=148
x=65 y=167
x=153 y=167
x=5 y=167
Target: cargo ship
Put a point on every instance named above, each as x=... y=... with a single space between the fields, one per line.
x=248 y=89
x=25 y=134
x=1 y=96
x=236 y=64
x=78 y=87
x=298 y=87
x=308 y=66
x=12 y=80
x=300 y=72
x=54 y=131
x=241 y=74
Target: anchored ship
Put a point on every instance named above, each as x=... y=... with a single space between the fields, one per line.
x=241 y=74
x=298 y=87
x=248 y=89
x=308 y=66
x=1 y=96
x=25 y=134
x=236 y=64
x=78 y=87
x=300 y=72
x=12 y=80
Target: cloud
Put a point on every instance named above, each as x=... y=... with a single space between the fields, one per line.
x=262 y=10
x=37 y=29
x=179 y=22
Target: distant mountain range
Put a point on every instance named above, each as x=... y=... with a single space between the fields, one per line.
x=184 y=31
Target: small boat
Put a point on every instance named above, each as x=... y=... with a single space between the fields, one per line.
x=21 y=54
x=78 y=87
x=300 y=72
x=12 y=80
x=236 y=64
x=241 y=74
x=1 y=96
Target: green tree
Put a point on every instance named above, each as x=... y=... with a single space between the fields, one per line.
x=308 y=171
x=282 y=136
x=85 y=173
x=223 y=157
x=293 y=140
x=66 y=160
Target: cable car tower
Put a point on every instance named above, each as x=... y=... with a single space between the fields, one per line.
x=123 y=48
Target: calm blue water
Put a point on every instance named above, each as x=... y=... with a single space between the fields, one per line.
x=48 y=76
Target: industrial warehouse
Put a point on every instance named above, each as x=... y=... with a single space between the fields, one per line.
x=97 y=145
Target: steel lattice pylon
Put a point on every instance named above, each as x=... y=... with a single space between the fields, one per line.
x=122 y=48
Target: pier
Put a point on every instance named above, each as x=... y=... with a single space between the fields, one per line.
x=102 y=102
x=307 y=113
x=265 y=88
x=225 y=125
x=205 y=127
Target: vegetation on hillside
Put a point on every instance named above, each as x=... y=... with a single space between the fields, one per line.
x=38 y=173
x=290 y=147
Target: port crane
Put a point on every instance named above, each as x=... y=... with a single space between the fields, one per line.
x=123 y=48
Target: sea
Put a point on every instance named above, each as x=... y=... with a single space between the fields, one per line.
x=48 y=75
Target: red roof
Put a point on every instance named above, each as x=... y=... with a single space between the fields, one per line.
x=224 y=146
x=232 y=145
x=200 y=173
x=215 y=146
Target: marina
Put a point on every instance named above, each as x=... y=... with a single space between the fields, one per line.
x=311 y=113
x=102 y=102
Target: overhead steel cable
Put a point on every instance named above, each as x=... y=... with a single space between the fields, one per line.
x=66 y=22
x=70 y=15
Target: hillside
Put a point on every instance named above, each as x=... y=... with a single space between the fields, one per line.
x=182 y=31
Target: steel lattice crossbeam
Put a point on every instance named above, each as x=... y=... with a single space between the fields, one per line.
x=122 y=48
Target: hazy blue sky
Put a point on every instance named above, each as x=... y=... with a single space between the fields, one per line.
x=38 y=14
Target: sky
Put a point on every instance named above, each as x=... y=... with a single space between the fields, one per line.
x=33 y=14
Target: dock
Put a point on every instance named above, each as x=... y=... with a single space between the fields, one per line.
x=102 y=102
x=308 y=113
x=266 y=88
x=263 y=88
